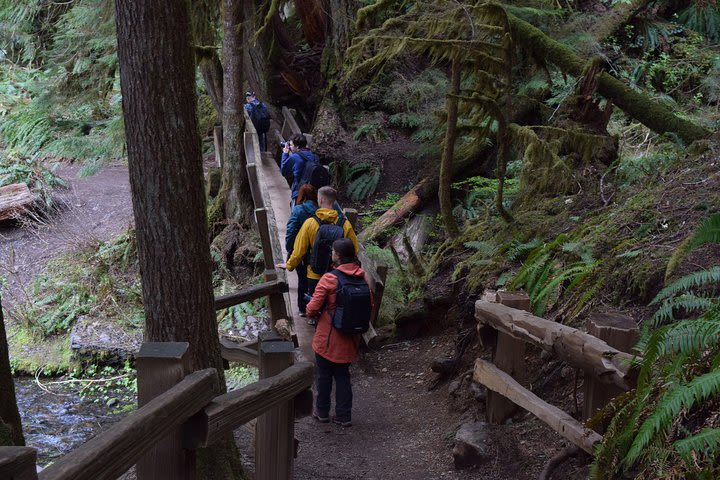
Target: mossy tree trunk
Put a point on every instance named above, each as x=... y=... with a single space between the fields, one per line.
x=205 y=18
x=10 y=425
x=339 y=35
x=620 y=14
x=650 y=113
x=444 y=190
x=313 y=21
x=157 y=80
x=235 y=188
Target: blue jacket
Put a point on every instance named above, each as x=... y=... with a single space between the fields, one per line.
x=294 y=164
x=298 y=215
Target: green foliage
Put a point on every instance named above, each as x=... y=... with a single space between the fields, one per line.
x=102 y=280
x=553 y=269
x=373 y=131
x=478 y=194
x=666 y=425
x=396 y=294
x=363 y=179
x=702 y=17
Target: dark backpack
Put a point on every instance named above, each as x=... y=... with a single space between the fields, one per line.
x=321 y=251
x=260 y=117
x=314 y=173
x=353 y=305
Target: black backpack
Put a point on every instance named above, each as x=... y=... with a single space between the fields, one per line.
x=353 y=305
x=260 y=117
x=314 y=173
x=321 y=251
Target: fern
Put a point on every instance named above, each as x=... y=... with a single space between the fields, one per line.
x=688 y=302
x=697 y=279
x=704 y=443
x=364 y=186
x=670 y=404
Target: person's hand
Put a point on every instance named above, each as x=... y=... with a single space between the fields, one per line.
x=281 y=265
x=286 y=148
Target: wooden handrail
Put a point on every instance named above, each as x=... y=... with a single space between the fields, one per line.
x=18 y=463
x=231 y=410
x=498 y=381
x=236 y=352
x=251 y=293
x=577 y=348
x=113 y=452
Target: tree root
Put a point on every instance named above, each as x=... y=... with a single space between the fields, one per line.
x=570 y=452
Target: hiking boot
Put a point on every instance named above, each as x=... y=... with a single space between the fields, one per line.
x=312 y=322
x=302 y=314
x=342 y=423
x=320 y=419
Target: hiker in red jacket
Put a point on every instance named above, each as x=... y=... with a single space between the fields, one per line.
x=335 y=350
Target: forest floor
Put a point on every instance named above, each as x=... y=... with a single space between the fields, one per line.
x=401 y=429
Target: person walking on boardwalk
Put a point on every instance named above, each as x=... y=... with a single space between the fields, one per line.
x=260 y=117
x=302 y=165
x=313 y=243
x=343 y=302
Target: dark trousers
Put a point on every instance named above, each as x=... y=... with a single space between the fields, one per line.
x=302 y=286
x=262 y=140
x=325 y=372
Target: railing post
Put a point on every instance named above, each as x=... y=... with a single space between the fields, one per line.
x=621 y=332
x=508 y=356
x=18 y=463
x=275 y=437
x=352 y=216
x=161 y=366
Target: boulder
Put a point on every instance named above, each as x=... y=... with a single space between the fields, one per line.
x=472 y=445
x=104 y=340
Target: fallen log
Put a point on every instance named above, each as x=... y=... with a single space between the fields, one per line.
x=15 y=200
x=498 y=381
x=571 y=345
x=654 y=115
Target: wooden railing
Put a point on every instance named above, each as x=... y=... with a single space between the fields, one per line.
x=180 y=410
x=512 y=327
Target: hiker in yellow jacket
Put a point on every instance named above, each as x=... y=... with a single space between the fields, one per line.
x=305 y=238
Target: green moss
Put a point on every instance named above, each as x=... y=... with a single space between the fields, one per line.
x=30 y=353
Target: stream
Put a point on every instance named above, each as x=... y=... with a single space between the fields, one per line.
x=55 y=423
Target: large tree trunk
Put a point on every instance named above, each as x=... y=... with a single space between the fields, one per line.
x=10 y=426
x=339 y=35
x=444 y=191
x=235 y=189
x=312 y=17
x=166 y=178
x=650 y=113
x=257 y=54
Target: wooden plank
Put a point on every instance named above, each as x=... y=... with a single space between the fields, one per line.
x=255 y=191
x=621 y=332
x=290 y=122
x=274 y=440
x=571 y=345
x=234 y=409
x=236 y=352
x=18 y=463
x=161 y=366
x=508 y=355
x=113 y=452
x=15 y=200
x=498 y=381
x=271 y=254
x=251 y=293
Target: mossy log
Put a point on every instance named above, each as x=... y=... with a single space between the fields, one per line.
x=620 y=14
x=639 y=106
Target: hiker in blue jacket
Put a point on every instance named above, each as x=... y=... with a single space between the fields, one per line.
x=260 y=117
x=295 y=155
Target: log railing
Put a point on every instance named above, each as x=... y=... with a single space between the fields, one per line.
x=512 y=327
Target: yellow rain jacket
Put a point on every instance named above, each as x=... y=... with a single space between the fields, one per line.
x=306 y=237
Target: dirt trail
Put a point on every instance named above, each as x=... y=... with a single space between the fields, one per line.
x=90 y=209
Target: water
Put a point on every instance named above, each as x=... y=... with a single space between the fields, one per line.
x=55 y=423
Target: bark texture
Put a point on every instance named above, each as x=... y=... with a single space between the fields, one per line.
x=339 y=34
x=235 y=189
x=313 y=19
x=620 y=14
x=166 y=179
x=650 y=113
x=205 y=18
x=10 y=425
x=444 y=191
